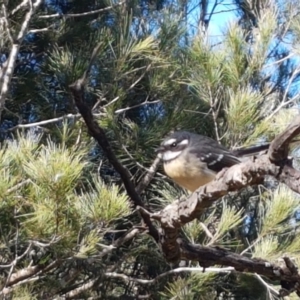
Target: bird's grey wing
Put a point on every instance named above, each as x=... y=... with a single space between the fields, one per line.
x=216 y=156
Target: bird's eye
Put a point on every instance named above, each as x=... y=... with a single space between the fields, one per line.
x=174 y=144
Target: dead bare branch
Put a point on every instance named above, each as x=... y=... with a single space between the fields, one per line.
x=121 y=110
x=86 y=286
x=50 y=121
x=6 y=23
x=30 y=271
x=120 y=241
x=148 y=176
x=7 y=72
x=89 y=13
x=18 y=186
x=23 y=4
x=171 y=272
x=269 y=287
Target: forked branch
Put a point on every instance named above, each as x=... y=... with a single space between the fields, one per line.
x=252 y=172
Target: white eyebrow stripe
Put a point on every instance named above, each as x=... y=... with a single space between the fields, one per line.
x=184 y=142
x=170 y=141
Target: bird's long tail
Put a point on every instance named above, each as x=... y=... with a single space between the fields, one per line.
x=254 y=150
x=248 y=151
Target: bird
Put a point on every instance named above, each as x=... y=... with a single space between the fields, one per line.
x=193 y=160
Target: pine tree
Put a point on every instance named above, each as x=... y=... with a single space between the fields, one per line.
x=70 y=227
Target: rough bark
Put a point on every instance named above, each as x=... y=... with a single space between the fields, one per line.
x=99 y=135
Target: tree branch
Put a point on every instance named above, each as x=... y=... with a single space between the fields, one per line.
x=119 y=242
x=269 y=287
x=286 y=273
x=82 y=288
x=50 y=121
x=28 y=272
x=148 y=176
x=121 y=110
x=128 y=279
x=77 y=89
x=251 y=172
x=88 y=13
x=7 y=72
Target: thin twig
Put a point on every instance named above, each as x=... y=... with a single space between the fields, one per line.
x=17 y=186
x=139 y=79
x=11 y=61
x=10 y=289
x=250 y=246
x=89 y=13
x=25 y=275
x=284 y=102
x=171 y=272
x=279 y=60
x=6 y=22
x=213 y=104
x=82 y=288
x=149 y=176
x=281 y=105
x=53 y=241
x=45 y=122
x=18 y=7
x=40 y=30
x=269 y=288
x=18 y=257
x=133 y=159
x=119 y=242
x=111 y=102
x=121 y=110
x=206 y=230
x=14 y=263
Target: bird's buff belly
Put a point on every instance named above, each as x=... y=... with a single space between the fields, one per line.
x=190 y=176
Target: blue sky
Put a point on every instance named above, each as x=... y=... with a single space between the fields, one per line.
x=223 y=13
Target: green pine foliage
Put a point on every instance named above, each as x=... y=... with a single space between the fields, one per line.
x=64 y=209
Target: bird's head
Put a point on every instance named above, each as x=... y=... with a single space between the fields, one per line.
x=174 y=145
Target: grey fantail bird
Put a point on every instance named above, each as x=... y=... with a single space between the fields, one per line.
x=193 y=160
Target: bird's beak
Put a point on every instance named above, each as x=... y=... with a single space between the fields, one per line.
x=159 y=151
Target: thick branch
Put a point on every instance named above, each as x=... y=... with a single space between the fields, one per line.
x=286 y=273
x=99 y=135
x=278 y=150
x=251 y=172
x=180 y=212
